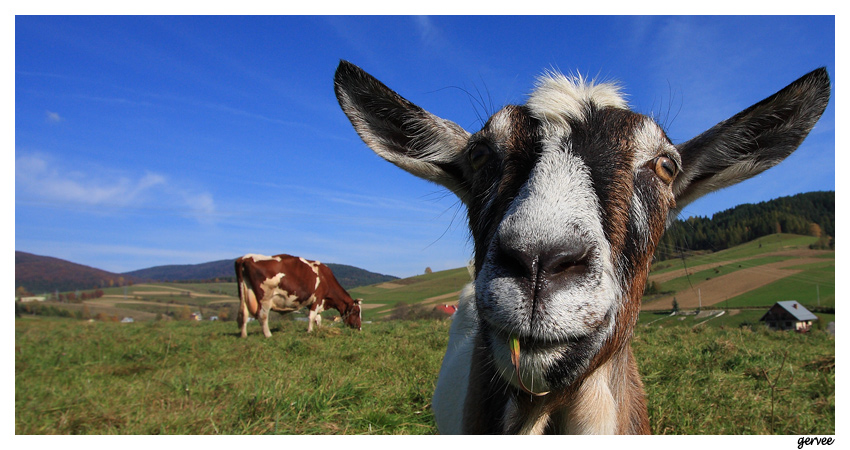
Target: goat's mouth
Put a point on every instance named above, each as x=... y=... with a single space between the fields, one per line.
x=538 y=365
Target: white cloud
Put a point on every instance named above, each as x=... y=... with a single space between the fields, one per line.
x=44 y=180
x=54 y=117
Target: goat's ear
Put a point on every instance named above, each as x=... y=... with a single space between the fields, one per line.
x=753 y=140
x=401 y=132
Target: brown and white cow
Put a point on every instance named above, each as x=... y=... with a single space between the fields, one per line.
x=285 y=283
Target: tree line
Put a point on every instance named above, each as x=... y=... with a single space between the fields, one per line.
x=811 y=213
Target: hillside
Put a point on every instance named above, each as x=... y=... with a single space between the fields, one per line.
x=43 y=274
x=810 y=213
x=755 y=274
x=348 y=276
x=184 y=272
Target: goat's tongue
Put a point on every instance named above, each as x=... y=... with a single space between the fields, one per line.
x=513 y=344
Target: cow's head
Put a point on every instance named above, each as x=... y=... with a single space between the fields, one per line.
x=351 y=316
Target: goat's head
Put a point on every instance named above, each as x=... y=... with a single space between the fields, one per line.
x=567 y=197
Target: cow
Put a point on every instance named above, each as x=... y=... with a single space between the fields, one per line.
x=286 y=283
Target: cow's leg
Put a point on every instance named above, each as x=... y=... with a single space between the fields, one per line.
x=265 y=308
x=241 y=322
x=311 y=319
x=242 y=319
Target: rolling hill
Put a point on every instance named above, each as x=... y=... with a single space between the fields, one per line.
x=756 y=274
x=348 y=276
x=41 y=274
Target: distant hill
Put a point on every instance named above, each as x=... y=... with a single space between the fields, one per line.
x=222 y=268
x=45 y=274
x=810 y=213
x=348 y=276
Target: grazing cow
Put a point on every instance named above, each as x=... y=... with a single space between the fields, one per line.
x=285 y=283
x=567 y=197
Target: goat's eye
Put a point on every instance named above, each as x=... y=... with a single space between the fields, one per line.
x=479 y=155
x=665 y=168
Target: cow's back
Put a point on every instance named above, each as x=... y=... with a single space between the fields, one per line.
x=290 y=282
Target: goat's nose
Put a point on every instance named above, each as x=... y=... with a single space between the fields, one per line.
x=548 y=264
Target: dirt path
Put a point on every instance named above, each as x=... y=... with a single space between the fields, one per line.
x=451 y=296
x=736 y=283
x=372 y=305
x=797 y=253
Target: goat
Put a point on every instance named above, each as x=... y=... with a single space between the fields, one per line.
x=567 y=197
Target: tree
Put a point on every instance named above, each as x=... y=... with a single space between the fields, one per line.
x=428 y=270
x=22 y=292
x=814 y=230
x=675 y=305
x=185 y=313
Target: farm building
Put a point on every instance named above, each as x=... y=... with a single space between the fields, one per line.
x=448 y=310
x=32 y=299
x=789 y=315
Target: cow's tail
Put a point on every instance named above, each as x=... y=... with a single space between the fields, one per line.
x=244 y=295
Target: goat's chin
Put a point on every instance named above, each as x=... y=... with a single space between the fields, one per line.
x=547 y=365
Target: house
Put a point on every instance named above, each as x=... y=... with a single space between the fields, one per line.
x=127 y=320
x=32 y=299
x=196 y=316
x=789 y=315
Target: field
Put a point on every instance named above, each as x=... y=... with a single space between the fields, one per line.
x=712 y=371
x=74 y=377
x=753 y=275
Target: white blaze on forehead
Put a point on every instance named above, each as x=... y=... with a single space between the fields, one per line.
x=500 y=125
x=558 y=98
x=650 y=142
x=257 y=257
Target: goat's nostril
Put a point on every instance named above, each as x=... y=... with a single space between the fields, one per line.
x=565 y=262
x=517 y=262
x=554 y=263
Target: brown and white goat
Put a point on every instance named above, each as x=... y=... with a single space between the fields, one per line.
x=567 y=197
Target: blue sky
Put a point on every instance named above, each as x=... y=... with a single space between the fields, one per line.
x=144 y=141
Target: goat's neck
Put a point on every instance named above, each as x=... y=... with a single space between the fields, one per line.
x=608 y=401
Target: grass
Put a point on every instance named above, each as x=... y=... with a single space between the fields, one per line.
x=685 y=282
x=707 y=380
x=75 y=377
x=200 y=378
x=766 y=244
x=816 y=280
x=411 y=290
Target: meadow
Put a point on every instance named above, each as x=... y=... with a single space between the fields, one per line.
x=158 y=377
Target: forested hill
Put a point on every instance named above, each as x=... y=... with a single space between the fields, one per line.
x=811 y=213
x=222 y=270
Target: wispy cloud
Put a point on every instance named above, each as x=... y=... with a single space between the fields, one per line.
x=45 y=180
x=53 y=117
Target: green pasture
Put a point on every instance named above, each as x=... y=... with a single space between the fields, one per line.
x=687 y=281
x=74 y=377
x=730 y=319
x=815 y=281
x=412 y=290
x=766 y=244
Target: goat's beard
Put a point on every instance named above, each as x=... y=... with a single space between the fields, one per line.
x=547 y=366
